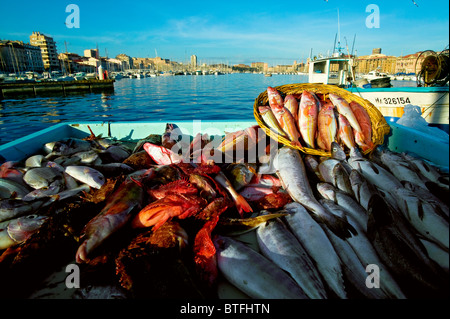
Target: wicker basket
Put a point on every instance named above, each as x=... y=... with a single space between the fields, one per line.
x=379 y=125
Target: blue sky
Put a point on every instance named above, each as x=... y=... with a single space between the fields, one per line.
x=277 y=32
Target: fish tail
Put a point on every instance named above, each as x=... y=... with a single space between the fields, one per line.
x=242 y=205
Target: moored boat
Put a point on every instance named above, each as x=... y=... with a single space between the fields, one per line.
x=433 y=100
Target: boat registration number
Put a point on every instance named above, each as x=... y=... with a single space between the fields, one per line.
x=392 y=100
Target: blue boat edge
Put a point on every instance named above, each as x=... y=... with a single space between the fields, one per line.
x=400 y=138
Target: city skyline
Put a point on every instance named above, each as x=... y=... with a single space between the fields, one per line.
x=235 y=32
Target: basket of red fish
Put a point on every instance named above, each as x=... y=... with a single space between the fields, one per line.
x=309 y=117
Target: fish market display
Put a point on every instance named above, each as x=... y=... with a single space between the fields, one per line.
x=174 y=215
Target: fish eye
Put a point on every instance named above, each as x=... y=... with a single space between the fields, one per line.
x=31 y=216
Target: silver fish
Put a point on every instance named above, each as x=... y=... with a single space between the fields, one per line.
x=428 y=171
x=313 y=238
x=368 y=255
x=86 y=175
x=333 y=172
x=279 y=245
x=345 y=201
x=401 y=168
x=354 y=270
x=423 y=217
x=374 y=173
x=13 y=208
x=265 y=280
x=43 y=192
x=15 y=231
x=401 y=251
x=436 y=253
x=363 y=191
x=35 y=161
x=41 y=177
x=68 y=146
x=10 y=188
x=292 y=174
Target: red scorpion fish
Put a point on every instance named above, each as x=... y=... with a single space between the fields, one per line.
x=128 y=197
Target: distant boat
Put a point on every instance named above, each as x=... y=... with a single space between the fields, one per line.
x=268 y=74
x=79 y=76
x=375 y=75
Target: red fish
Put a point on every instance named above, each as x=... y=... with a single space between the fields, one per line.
x=161 y=155
x=363 y=138
x=307 y=119
x=327 y=126
x=173 y=205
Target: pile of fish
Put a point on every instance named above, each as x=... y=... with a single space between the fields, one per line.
x=159 y=218
x=316 y=120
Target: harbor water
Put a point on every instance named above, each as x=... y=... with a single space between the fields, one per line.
x=163 y=98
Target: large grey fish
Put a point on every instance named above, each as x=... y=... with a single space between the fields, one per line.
x=401 y=251
x=278 y=244
x=344 y=200
x=313 y=238
x=292 y=174
x=436 y=253
x=15 y=231
x=368 y=255
x=363 y=191
x=374 y=173
x=354 y=270
x=401 y=168
x=423 y=217
x=253 y=273
x=439 y=205
x=12 y=208
x=428 y=171
x=87 y=175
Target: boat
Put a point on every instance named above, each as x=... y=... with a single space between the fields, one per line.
x=400 y=138
x=433 y=98
x=375 y=74
x=79 y=76
x=334 y=70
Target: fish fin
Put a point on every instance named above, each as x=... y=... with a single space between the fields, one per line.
x=242 y=205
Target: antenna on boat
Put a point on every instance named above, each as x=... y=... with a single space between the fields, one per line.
x=353 y=45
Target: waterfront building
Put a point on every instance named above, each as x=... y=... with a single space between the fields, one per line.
x=91 y=53
x=376 y=61
x=127 y=61
x=72 y=63
x=194 y=61
x=260 y=66
x=48 y=50
x=407 y=63
x=19 y=57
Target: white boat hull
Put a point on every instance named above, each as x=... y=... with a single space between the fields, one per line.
x=434 y=102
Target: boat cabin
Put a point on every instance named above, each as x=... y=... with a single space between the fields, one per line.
x=331 y=70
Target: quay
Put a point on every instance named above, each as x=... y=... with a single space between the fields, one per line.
x=55 y=87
